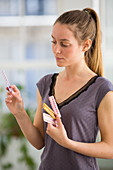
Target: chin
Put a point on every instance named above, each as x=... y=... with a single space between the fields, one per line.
x=60 y=65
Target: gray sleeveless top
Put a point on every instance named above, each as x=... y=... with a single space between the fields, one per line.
x=79 y=116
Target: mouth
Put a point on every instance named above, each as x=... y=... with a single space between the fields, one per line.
x=59 y=58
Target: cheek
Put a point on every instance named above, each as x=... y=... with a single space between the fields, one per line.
x=74 y=51
x=69 y=51
x=73 y=54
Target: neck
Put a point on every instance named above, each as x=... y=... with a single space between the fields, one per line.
x=77 y=71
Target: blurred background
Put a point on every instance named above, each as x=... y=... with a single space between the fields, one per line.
x=26 y=56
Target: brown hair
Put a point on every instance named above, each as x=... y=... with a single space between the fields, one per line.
x=85 y=25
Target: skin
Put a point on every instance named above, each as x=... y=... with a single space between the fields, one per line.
x=70 y=55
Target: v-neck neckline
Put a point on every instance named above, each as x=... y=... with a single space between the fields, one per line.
x=75 y=94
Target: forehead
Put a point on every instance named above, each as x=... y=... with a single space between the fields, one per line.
x=62 y=31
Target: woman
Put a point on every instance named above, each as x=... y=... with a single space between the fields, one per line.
x=83 y=96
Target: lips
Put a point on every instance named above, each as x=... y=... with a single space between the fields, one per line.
x=59 y=58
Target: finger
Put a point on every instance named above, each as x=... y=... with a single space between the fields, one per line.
x=8 y=100
x=9 y=89
x=50 y=127
x=15 y=89
x=8 y=93
x=12 y=94
x=9 y=97
x=58 y=119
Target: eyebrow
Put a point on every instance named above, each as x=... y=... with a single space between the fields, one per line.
x=60 y=39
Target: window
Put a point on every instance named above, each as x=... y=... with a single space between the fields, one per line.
x=25 y=43
x=106 y=12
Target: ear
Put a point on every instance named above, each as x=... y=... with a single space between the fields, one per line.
x=86 y=45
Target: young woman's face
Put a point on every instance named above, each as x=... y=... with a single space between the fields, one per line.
x=65 y=47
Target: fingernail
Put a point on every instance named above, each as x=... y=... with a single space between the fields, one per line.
x=13 y=92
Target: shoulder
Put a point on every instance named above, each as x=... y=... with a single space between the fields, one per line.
x=44 y=83
x=44 y=79
x=104 y=86
x=103 y=81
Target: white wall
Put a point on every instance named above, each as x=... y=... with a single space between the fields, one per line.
x=64 y=5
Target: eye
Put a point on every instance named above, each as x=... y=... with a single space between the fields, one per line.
x=64 y=44
x=53 y=42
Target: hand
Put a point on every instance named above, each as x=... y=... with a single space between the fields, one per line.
x=14 y=101
x=58 y=133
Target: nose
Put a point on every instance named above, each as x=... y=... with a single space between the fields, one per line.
x=56 y=49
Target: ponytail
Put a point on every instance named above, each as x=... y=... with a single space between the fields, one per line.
x=93 y=56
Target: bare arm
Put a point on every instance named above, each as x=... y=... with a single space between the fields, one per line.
x=38 y=120
x=15 y=104
x=102 y=149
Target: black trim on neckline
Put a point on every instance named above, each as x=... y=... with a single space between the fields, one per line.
x=54 y=76
x=74 y=95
